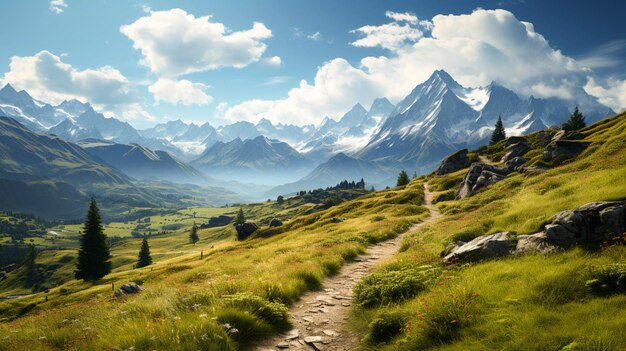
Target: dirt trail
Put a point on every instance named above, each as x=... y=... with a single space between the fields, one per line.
x=484 y=159
x=319 y=317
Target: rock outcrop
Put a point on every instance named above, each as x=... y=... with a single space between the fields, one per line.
x=276 y=222
x=591 y=224
x=563 y=146
x=127 y=289
x=515 y=164
x=516 y=150
x=454 y=162
x=479 y=176
x=483 y=247
x=244 y=230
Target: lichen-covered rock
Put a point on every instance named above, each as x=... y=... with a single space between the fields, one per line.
x=483 y=247
x=454 y=162
x=244 y=230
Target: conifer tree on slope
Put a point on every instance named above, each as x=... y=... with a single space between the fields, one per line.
x=241 y=219
x=498 y=133
x=576 y=121
x=193 y=236
x=93 y=256
x=144 y=254
x=403 y=178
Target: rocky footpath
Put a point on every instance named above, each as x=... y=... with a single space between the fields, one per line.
x=590 y=225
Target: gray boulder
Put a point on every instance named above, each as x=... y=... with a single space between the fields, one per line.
x=275 y=222
x=566 y=135
x=514 y=140
x=337 y=220
x=544 y=137
x=454 y=162
x=516 y=150
x=244 y=230
x=590 y=225
x=483 y=247
x=128 y=288
x=479 y=176
x=515 y=164
x=562 y=150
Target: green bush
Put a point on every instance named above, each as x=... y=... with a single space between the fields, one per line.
x=243 y=326
x=608 y=279
x=385 y=326
x=387 y=287
x=274 y=313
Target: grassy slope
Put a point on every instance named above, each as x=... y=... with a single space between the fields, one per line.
x=535 y=302
x=184 y=293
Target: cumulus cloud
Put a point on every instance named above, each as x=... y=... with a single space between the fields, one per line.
x=174 y=43
x=274 y=61
x=613 y=95
x=57 y=6
x=476 y=48
x=179 y=91
x=337 y=86
x=46 y=77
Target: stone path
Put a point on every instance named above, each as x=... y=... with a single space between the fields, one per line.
x=319 y=317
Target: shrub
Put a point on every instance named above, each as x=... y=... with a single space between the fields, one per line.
x=385 y=326
x=608 y=279
x=392 y=286
x=274 y=313
x=243 y=326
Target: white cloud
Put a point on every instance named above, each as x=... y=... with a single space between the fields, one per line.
x=174 y=43
x=613 y=95
x=317 y=36
x=49 y=79
x=402 y=17
x=476 y=48
x=274 y=61
x=181 y=91
x=394 y=35
x=391 y=36
x=57 y=6
x=337 y=87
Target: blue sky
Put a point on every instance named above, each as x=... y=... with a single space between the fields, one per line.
x=70 y=48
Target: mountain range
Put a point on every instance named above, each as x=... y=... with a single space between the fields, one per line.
x=436 y=118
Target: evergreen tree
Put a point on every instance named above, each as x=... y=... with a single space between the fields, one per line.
x=498 y=133
x=144 y=254
x=403 y=178
x=576 y=121
x=93 y=256
x=240 y=217
x=193 y=236
x=280 y=199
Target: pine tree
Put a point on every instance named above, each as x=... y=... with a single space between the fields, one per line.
x=241 y=219
x=280 y=199
x=403 y=178
x=93 y=256
x=576 y=121
x=144 y=254
x=193 y=236
x=498 y=133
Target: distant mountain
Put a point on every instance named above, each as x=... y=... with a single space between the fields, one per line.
x=337 y=168
x=70 y=131
x=30 y=156
x=440 y=116
x=142 y=163
x=259 y=160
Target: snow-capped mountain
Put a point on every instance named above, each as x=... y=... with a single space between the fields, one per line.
x=440 y=116
x=34 y=114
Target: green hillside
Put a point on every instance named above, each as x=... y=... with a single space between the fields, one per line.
x=531 y=302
